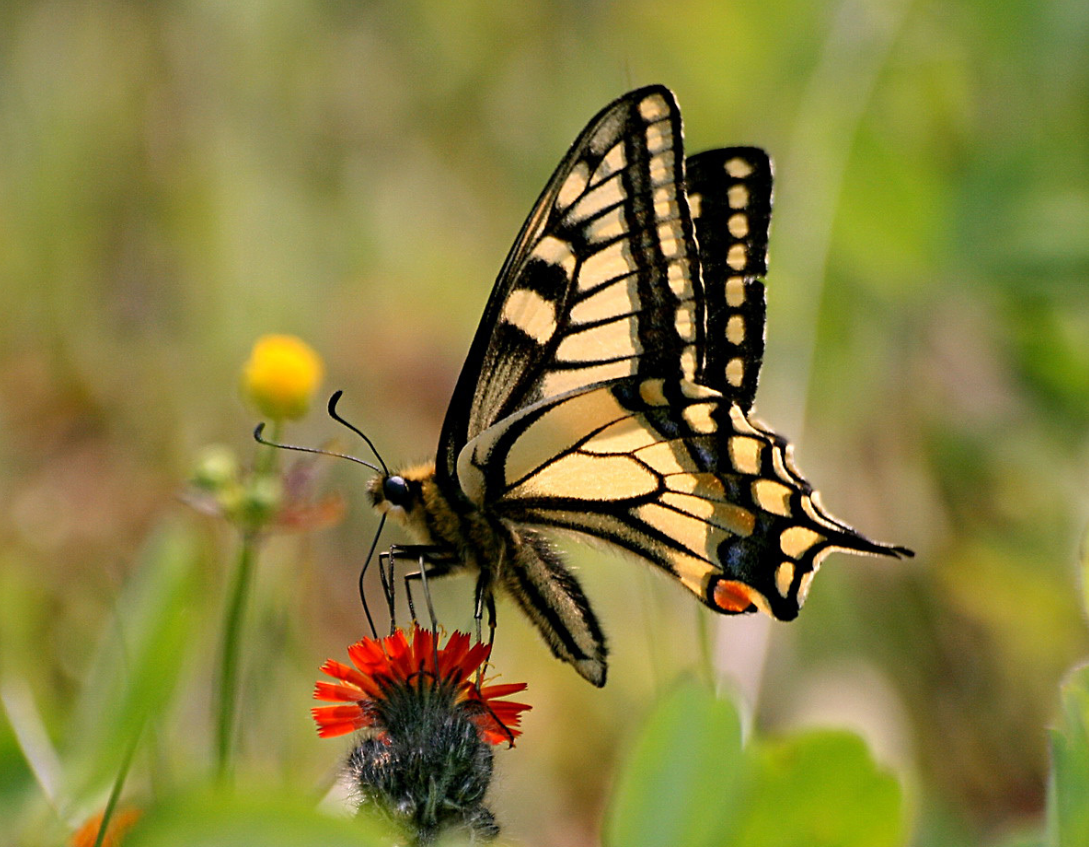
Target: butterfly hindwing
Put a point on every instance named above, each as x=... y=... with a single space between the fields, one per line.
x=729 y=194
x=670 y=471
x=602 y=282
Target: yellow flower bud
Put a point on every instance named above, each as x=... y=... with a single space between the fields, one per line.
x=281 y=376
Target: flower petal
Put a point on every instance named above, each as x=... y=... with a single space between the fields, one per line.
x=343 y=672
x=415 y=664
x=339 y=693
x=340 y=720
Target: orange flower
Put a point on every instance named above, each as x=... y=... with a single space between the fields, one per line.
x=120 y=823
x=392 y=673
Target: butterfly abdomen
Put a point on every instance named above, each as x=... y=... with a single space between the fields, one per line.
x=550 y=595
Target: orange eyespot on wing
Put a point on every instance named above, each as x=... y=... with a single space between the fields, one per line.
x=734 y=597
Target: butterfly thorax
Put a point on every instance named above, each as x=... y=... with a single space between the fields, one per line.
x=413 y=498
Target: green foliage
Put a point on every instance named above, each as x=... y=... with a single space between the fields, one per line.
x=252 y=819
x=1068 y=800
x=689 y=782
x=137 y=665
x=683 y=777
x=819 y=789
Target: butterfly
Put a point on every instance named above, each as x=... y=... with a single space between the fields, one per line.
x=609 y=390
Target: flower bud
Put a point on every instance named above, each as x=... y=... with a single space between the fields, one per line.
x=281 y=376
x=216 y=468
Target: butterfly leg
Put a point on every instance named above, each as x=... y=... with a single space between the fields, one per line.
x=484 y=598
x=385 y=573
x=433 y=561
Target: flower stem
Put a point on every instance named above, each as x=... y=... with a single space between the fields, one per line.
x=264 y=465
x=228 y=667
x=118 y=784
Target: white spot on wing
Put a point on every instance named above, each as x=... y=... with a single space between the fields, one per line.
x=772 y=496
x=606 y=194
x=652 y=392
x=665 y=193
x=737 y=196
x=557 y=252
x=735 y=372
x=605 y=341
x=573 y=186
x=594 y=477
x=745 y=454
x=619 y=298
x=784 y=578
x=685 y=321
x=608 y=226
x=608 y=263
x=661 y=168
x=653 y=108
x=795 y=541
x=659 y=137
x=735 y=329
x=614 y=161
x=698 y=417
x=531 y=313
x=738 y=168
x=735 y=291
x=560 y=381
x=671 y=239
x=688 y=362
x=679 y=282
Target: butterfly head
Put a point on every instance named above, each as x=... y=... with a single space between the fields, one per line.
x=402 y=495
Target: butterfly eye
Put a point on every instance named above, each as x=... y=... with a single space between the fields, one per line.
x=396 y=491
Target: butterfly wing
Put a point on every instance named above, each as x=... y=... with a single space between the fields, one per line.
x=675 y=473
x=607 y=389
x=601 y=284
x=729 y=194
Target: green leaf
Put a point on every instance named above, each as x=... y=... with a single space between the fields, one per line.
x=142 y=651
x=1085 y=572
x=249 y=820
x=1068 y=797
x=818 y=789
x=682 y=780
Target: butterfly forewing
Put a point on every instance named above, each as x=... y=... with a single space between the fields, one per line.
x=602 y=283
x=729 y=193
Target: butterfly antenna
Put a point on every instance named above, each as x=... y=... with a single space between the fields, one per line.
x=336 y=417
x=260 y=439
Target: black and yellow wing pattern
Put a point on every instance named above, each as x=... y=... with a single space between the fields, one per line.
x=609 y=387
x=608 y=391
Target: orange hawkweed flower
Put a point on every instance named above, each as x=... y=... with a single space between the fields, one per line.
x=120 y=823
x=394 y=676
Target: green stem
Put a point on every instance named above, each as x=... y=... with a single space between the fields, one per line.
x=228 y=667
x=118 y=784
x=264 y=465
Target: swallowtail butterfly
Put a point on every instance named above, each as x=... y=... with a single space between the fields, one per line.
x=609 y=389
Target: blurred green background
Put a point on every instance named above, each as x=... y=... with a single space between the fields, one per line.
x=177 y=178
